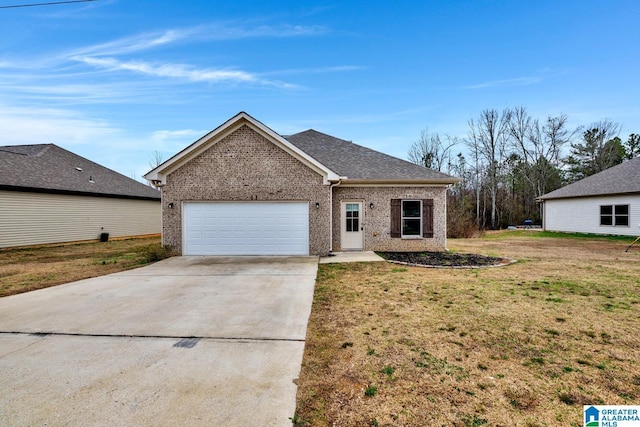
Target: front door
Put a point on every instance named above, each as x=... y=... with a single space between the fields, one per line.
x=352 y=226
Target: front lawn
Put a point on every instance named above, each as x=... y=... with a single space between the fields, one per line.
x=522 y=345
x=23 y=270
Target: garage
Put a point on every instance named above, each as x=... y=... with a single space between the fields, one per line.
x=246 y=228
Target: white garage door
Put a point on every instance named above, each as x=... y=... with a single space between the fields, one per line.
x=246 y=228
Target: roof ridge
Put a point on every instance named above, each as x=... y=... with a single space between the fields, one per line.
x=45 y=149
x=14 y=149
x=4 y=150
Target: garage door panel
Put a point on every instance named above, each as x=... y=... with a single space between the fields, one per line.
x=246 y=228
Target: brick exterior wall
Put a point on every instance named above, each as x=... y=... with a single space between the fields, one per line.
x=377 y=221
x=245 y=166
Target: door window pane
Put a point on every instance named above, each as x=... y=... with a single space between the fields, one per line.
x=352 y=217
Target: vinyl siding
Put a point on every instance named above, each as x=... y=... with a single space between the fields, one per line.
x=582 y=215
x=37 y=218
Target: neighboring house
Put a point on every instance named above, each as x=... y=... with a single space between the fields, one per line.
x=605 y=203
x=242 y=189
x=50 y=195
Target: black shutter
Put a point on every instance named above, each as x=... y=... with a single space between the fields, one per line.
x=396 y=218
x=427 y=218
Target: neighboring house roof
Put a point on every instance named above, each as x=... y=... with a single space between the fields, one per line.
x=358 y=163
x=334 y=158
x=51 y=169
x=620 y=179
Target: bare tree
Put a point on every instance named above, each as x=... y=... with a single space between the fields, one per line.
x=432 y=151
x=547 y=141
x=539 y=146
x=473 y=142
x=156 y=159
x=488 y=139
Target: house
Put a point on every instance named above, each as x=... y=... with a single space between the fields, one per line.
x=605 y=203
x=50 y=195
x=243 y=189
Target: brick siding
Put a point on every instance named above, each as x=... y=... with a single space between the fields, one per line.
x=377 y=221
x=245 y=166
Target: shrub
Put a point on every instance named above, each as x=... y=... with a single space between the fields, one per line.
x=461 y=224
x=156 y=252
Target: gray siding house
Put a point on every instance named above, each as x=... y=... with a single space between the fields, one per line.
x=605 y=203
x=50 y=195
x=243 y=189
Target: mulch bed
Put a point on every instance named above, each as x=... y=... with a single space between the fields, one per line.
x=444 y=259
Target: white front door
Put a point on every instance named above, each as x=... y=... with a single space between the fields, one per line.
x=352 y=226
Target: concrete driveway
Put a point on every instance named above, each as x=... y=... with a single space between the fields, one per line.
x=186 y=341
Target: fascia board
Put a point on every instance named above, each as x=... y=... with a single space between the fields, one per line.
x=398 y=182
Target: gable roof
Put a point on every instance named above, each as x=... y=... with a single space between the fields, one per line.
x=360 y=164
x=50 y=169
x=335 y=159
x=159 y=174
x=620 y=179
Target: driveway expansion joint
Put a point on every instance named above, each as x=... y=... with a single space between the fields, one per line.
x=176 y=337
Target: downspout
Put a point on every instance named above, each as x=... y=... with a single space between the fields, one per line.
x=446 y=209
x=335 y=184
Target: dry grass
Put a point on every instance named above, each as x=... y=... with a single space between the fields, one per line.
x=23 y=270
x=523 y=345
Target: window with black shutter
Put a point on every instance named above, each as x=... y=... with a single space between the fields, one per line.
x=411 y=218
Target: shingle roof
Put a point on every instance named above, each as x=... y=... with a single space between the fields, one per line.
x=620 y=179
x=49 y=168
x=360 y=163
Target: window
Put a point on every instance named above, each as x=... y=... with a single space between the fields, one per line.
x=614 y=215
x=411 y=218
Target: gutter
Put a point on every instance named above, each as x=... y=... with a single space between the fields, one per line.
x=402 y=182
x=77 y=193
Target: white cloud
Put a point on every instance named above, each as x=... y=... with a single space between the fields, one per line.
x=40 y=125
x=224 y=32
x=317 y=70
x=216 y=31
x=85 y=93
x=135 y=43
x=164 y=135
x=180 y=71
x=518 y=81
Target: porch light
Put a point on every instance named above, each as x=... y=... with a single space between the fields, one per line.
x=371 y=205
x=317 y=205
x=170 y=205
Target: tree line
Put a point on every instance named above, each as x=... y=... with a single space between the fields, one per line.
x=513 y=158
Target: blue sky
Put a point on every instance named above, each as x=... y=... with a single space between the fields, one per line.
x=115 y=80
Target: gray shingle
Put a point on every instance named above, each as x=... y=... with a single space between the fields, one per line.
x=49 y=168
x=360 y=163
x=620 y=179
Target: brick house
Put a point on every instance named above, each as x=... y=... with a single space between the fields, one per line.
x=243 y=189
